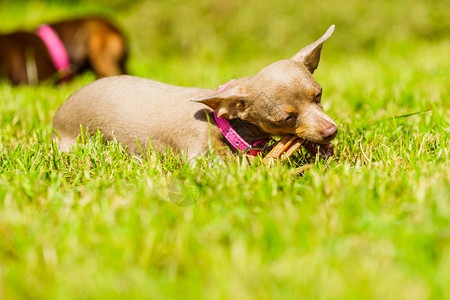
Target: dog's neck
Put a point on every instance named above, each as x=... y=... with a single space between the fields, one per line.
x=56 y=49
x=249 y=132
x=246 y=130
x=75 y=41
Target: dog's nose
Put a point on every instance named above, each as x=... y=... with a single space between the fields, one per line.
x=330 y=132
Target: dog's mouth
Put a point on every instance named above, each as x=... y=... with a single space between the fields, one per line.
x=289 y=144
x=323 y=150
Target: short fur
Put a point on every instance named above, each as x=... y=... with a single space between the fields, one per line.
x=283 y=98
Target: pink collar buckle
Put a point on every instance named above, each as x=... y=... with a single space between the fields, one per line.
x=257 y=148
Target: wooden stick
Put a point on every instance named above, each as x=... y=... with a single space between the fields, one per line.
x=292 y=148
x=288 y=144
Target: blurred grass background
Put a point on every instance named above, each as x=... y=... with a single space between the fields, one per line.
x=207 y=42
x=373 y=222
x=235 y=31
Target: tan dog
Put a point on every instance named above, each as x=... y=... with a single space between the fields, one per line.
x=283 y=98
x=91 y=43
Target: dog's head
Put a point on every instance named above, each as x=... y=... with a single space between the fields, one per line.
x=283 y=98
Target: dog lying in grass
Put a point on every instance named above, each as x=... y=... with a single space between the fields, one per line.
x=61 y=50
x=282 y=99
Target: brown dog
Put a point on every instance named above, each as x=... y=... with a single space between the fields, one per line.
x=91 y=43
x=283 y=98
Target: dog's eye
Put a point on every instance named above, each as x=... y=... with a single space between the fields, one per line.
x=287 y=120
x=318 y=97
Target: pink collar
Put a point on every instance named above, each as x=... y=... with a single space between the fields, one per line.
x=233 y=137
x=56 y=49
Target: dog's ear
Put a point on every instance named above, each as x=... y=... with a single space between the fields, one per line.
x=310 y=55
x=231 y=105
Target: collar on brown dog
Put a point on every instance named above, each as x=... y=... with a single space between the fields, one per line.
x=56 y=49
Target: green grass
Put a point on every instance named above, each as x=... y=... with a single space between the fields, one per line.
x=372 y=222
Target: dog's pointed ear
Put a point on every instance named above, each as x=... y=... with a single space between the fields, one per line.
x=226 y=103
x=310 y=55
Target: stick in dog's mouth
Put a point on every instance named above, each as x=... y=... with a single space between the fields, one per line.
x=290 y=144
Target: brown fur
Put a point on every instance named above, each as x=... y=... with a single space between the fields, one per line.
x=91 y=43
x=281 y=99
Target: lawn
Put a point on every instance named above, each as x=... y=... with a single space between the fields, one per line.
x=372 y=222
